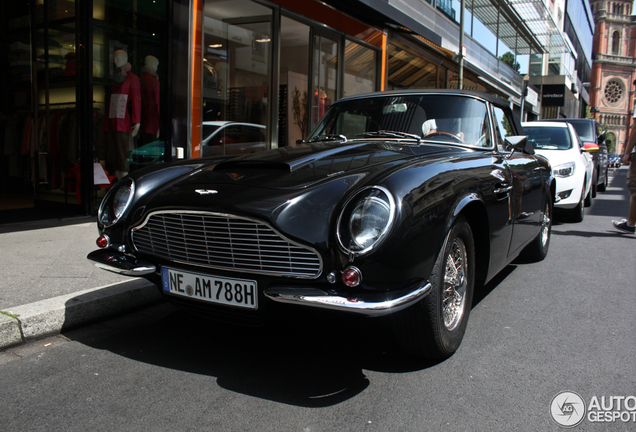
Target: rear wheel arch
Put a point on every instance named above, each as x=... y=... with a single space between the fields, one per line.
x=473 y=210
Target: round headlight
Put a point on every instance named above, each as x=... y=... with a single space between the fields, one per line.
x=365 y=220
x=368 y=221
x=115 y=203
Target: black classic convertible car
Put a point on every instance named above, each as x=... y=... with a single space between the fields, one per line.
x=399 y=203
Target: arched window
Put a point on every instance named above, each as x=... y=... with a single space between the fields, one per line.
x=616 y=42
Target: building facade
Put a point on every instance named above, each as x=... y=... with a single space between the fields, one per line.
x=614 y=69
x=94 y=89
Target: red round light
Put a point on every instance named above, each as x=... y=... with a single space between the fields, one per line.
x=351 y=277
x=103 y=242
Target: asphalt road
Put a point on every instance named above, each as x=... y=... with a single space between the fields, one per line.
x=565 y=324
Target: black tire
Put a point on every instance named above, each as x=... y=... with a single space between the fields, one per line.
x=538 y=249
x=577 y=214
x=428 y=328
x=603 y=186
x=588 y=197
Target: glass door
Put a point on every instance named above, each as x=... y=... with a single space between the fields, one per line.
x=294 y=82
x=325 y=81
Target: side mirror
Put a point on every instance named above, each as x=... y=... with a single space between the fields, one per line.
x=590 y=148
x=519 y=143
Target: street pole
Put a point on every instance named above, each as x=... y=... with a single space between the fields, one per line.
x=524 y=93
x=461 y=46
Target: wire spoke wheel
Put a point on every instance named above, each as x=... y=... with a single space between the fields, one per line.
x=546 y=223
x=454 y=295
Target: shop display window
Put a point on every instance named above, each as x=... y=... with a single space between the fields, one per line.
x=236 y=66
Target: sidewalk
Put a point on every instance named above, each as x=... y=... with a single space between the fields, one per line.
x=47 y=285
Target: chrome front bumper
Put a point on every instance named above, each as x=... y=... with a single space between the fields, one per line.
x=368 y=304
x=361 y=305
x=117 y=262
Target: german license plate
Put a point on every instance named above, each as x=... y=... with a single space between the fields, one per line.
x=214 y=289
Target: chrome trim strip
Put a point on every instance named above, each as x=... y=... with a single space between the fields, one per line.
x=310 y=297
x=135 y=271
x=117 y=262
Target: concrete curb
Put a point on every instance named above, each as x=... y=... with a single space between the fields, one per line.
x=23 y=324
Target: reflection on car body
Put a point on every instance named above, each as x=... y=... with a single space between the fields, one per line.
x=369 y=216
x=219 y=138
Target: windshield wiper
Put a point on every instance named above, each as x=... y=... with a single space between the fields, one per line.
x=391 y=134
x=341 y=138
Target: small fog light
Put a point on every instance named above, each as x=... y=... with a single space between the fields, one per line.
x=351 y=277
x=565 y=194
x=103 y=242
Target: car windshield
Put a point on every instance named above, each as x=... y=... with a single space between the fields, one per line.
x=585 y=130
x=548 y=138
x=441 y=118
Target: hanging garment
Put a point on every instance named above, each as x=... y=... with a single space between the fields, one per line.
x=128 y=92
x=149 y=101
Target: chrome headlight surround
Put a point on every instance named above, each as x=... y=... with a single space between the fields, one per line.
x=564 y=170
x=116 y=202
x=365 y=220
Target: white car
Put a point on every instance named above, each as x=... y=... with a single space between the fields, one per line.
x=572 y=165
x=232 y=138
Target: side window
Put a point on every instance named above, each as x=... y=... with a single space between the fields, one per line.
x=255 y=134
x=234 y=134
x=503 y=126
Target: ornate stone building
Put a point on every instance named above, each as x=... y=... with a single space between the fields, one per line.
x=614 y=68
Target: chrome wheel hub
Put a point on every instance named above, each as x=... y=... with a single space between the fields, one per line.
x=454 y=294
x=545 y=226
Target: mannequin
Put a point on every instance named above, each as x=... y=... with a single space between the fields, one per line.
x=121 y=122
x=149 y=100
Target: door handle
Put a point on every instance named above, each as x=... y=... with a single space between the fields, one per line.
x=503 y=188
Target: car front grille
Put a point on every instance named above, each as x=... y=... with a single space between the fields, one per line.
x=226 y=242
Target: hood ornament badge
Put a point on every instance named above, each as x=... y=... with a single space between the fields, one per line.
x=206 y=191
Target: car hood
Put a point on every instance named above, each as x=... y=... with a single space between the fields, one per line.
x=291 y=186
x=301 y=166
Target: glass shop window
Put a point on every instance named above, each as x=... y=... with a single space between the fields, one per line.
x=360 y=69
x=408 y=69
x=129 y=77
x=236 y=68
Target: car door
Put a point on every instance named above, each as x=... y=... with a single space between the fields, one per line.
x=525 y=197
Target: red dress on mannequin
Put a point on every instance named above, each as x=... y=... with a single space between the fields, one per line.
x=119 y=119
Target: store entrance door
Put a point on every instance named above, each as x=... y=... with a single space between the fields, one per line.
x=326 y=55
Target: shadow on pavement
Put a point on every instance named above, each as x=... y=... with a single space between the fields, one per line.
x=294 y=361
x=302 y=359
x=612 y=203
x=13 y=224
x=591 y=234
